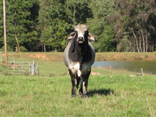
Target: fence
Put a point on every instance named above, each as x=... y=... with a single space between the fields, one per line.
x=22 y=68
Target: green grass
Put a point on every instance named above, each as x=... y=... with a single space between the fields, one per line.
x=49 y=94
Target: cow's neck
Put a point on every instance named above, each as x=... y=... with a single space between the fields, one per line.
x=80 y=51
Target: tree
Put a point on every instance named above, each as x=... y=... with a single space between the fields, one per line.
x=56 y=19
x=136 y=22
x=20 y=24
x=101 y=26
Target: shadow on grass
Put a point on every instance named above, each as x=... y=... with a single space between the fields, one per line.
x=100 y=92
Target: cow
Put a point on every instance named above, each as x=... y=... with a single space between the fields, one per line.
x=79 y=56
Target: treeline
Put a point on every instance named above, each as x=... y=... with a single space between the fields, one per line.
x=43 y=25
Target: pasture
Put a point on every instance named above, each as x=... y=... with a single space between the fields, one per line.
x=49 y=94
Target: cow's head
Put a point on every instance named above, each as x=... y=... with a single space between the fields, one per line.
x=81 y=34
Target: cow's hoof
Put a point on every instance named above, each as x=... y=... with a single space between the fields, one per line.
x=73 y=96
x=85 y=96
x=80 y=93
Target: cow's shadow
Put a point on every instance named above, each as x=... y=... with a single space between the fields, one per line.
x=105 y=92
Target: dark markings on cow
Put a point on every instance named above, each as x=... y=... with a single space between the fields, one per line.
x=78 y=56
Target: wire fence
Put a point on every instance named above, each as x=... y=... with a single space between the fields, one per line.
x=22 y=68
x=18 y=68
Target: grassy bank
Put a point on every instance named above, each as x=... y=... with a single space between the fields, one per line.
x=119 y=93
x=103 y=56
x=122 y=56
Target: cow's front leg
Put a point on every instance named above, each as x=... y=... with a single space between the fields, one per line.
x=85 y=83
x=78 y=81
x=81 y=87
x=73 y=91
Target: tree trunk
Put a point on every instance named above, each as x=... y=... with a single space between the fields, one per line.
x=140 y=44
x=44 y=47
x=16 y=48
x=136 y=41
x=55 y=49
x=143 y=41
x=146 y=43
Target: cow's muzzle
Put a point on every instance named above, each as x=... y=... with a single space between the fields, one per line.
x=80 y=39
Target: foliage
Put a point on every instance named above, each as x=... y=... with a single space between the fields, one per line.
x=43 y=25
x=56 y=20
x=20 y=23
x=135 y=22
x=100 y=26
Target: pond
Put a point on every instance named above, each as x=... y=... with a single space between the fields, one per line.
x=134 y=66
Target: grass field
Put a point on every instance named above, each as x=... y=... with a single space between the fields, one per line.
x=111 y=95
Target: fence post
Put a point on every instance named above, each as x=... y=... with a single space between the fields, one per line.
x=110 y=71
x=1 y=57
x=29 y=68
x=22 y=65
x=37 y=70
x=33 y=68
x=142 y=73
x=14 y=63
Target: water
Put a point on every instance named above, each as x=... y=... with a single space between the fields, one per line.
x=134 y=66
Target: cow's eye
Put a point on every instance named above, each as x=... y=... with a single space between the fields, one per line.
x=86 y=32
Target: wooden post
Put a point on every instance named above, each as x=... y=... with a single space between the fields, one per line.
x=142 y=73
x=110 y=71
x=33 y=68
x=5 y=39
x=37 y=69
x=14 y=63
x=29 y=68
x=22 y=65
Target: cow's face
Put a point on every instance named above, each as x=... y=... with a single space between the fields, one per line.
x=81 y=33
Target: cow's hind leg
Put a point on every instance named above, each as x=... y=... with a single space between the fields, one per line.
x=73 y=91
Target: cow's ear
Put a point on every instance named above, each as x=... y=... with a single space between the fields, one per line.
x=91 y=38
x=70 y=36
